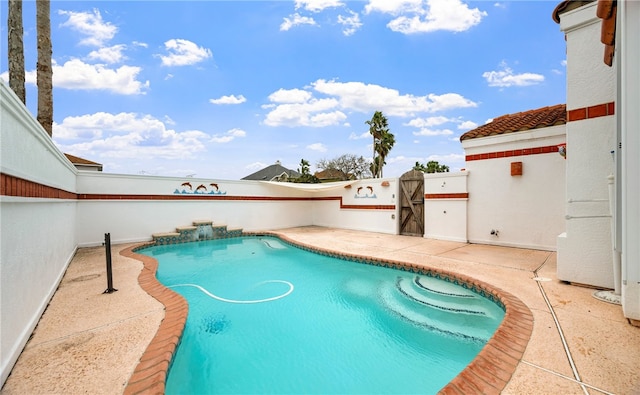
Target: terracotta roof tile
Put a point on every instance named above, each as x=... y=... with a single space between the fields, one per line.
x=527 y=120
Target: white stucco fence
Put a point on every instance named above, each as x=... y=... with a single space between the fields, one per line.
x=38 y=236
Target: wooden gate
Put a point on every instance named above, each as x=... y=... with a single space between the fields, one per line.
x=412 y=203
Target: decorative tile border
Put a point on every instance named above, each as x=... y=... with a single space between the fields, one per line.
x=16 y=186
x=488 y=373
x=460 y=195
x=599 y=110
x=511 y=153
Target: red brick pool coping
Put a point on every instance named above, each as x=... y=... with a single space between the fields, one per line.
x=488 y=373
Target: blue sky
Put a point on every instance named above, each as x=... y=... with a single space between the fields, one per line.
x=221 y=89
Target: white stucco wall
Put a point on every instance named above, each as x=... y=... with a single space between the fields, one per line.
x=585 y=250
x=259 y=206
x=526 y=211
x=37 y=236
x=629 y=62
x=382 y=220
x=129 y=220
x=445 y=218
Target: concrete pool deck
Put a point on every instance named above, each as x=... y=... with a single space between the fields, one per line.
x=90 y=342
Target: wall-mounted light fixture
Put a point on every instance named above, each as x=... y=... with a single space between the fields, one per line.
x=562 y=150
x=516 y=168
x=385 y=183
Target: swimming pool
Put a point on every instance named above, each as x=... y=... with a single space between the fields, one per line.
x=353 y=329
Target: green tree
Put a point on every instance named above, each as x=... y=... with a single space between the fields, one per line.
x=383 y=141
x=305 y=174
x=431 y=167
x=351 y=165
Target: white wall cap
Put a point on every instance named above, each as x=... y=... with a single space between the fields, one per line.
x=527 y=135
x=578 y=18
x=443 y=175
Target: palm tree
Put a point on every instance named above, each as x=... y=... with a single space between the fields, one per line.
x=377 y=127
x=15 y=49
x=387 y=141
x=44 y=71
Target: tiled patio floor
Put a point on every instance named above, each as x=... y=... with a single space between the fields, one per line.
x=90 y=342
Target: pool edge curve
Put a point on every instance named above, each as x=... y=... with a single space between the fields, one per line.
x=488 y=373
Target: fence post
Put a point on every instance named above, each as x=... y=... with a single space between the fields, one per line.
x=107 y=245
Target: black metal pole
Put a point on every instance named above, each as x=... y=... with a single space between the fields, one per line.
x=107 y=245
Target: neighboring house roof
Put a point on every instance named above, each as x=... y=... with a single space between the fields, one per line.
x=83 y=164
x=275 y=172
x=527 y=120
x=331 y=175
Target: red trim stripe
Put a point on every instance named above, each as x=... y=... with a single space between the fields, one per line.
x=15 y=186
x=599 y=110
x=511 y=153
x=464 y=195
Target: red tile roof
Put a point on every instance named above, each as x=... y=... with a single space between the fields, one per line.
x=74 y=159
x=527 y=120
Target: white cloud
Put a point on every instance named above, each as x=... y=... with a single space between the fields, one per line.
x=564 y=63
x=229 y=136
x=298 y=107
x=467 y=125
x=365 y=135
x=431 y=132
x=317 y=147
x=506 y=78
x=428 y=122
x=448 y=158
x=184 y=53
x=109 y=55
x=77 y=75
x=362 y=97
x=126 y=135
x=317 y=5
x=231 y=99
x=296 y=20
x=140 y=44
x=256 y=166
x=315 y=113
x=91 y=25
x=393 y=7
x=416 y=16
x=350 y=23
x=290 y=96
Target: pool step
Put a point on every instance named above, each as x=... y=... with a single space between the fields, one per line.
x=455 y=300
x=467 y=317
x=198 y=231
x=431 y=319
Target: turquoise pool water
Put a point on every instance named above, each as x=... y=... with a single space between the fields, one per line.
x=266 y=317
